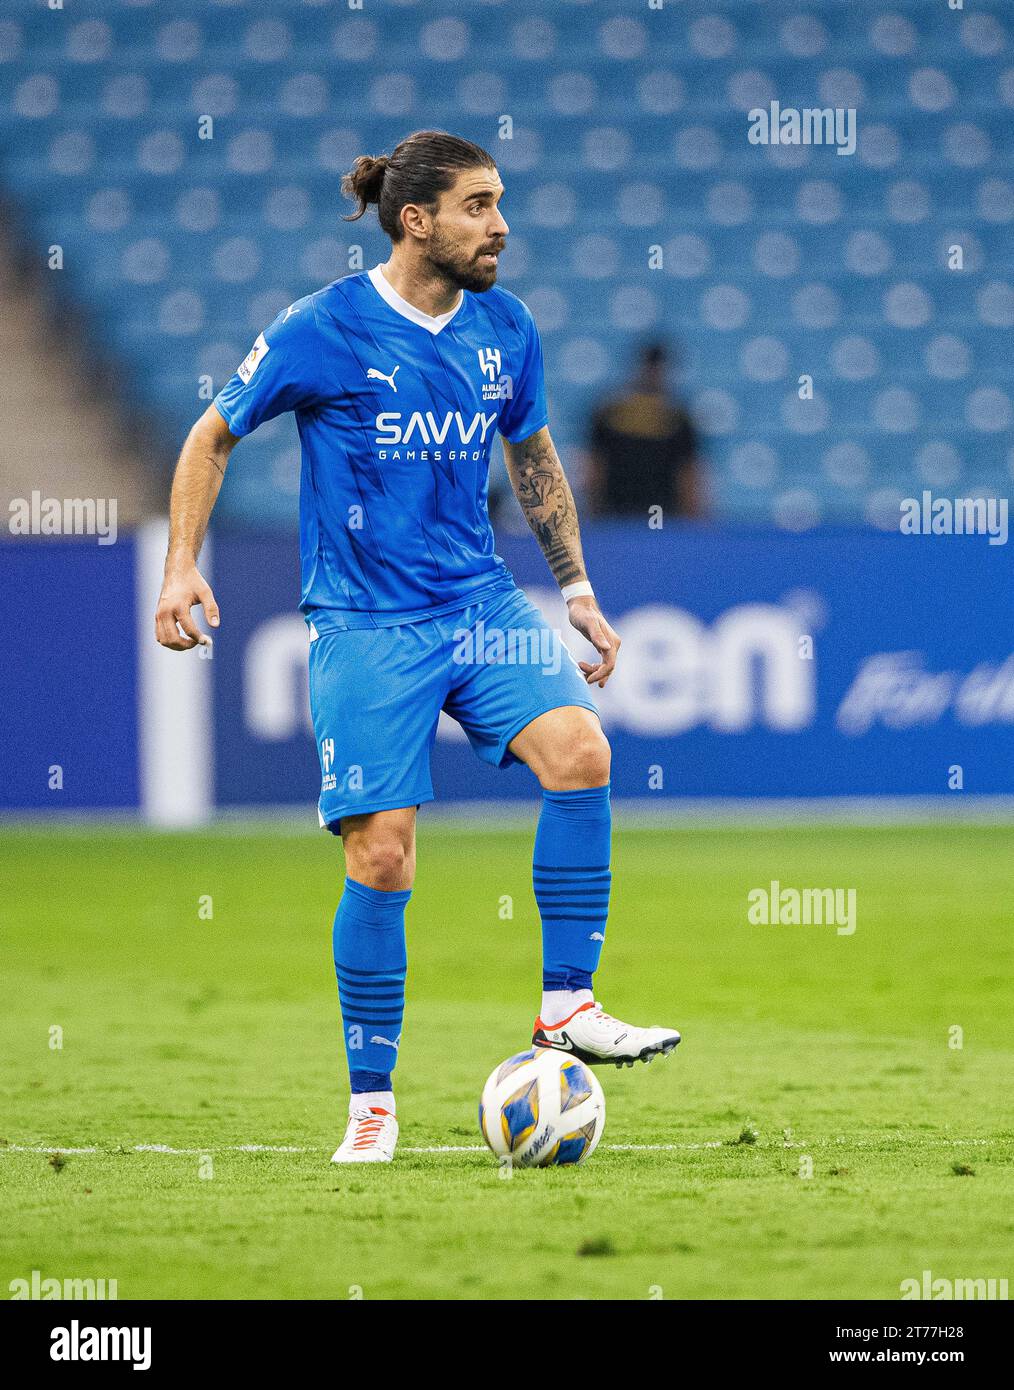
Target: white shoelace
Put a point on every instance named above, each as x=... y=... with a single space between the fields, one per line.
x=600 y=1013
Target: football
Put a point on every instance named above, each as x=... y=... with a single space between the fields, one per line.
x=542 y=1107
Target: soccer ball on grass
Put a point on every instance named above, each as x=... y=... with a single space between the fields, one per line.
x=542 y=1107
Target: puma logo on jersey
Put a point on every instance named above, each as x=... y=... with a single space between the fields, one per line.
x=374 y=375
x=386 y=1041
x=292 y=309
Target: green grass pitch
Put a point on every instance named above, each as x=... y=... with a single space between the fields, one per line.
x=801 y=1047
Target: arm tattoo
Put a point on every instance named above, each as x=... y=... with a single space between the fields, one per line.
x=548 y=505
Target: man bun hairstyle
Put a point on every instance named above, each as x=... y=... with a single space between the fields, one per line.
x=418 y=170
x=364 y=181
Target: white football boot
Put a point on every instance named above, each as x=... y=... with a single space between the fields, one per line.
x=597 y=1038
x=370 y=1137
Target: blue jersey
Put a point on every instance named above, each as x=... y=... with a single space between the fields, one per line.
x=397 y=412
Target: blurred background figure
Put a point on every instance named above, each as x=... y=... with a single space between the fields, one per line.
x=643 y=447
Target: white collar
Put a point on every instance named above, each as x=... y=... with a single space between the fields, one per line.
x=401 y=306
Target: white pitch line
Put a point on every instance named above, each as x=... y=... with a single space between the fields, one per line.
x=481 y=1148
x=225 y=1148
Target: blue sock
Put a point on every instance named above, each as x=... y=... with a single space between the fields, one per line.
x=571 y=877
x=370 y=962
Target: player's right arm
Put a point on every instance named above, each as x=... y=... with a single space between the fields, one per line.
x=282 y=371
x=197 y=480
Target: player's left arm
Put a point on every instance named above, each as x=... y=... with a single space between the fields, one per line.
x=544 y=494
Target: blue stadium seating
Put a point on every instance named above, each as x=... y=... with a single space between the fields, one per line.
x=629 y=135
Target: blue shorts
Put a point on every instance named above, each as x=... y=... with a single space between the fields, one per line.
x=376 y=694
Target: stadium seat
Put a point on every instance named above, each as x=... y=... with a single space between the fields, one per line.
x=639 y=209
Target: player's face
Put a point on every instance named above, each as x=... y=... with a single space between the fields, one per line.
x=468 y=233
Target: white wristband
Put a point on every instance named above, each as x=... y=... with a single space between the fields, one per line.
x=582 y=589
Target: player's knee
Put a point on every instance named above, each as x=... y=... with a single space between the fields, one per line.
x=581 y=760
x=382 y=862
x=591 y=758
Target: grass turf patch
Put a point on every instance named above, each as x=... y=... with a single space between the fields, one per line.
x=804 y=1053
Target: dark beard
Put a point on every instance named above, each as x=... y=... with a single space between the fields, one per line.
x=464 y=275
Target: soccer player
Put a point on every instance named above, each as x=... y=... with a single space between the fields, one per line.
x=400 y=378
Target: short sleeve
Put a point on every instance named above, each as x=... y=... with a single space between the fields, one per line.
x=525 y=410
x=281 y=372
